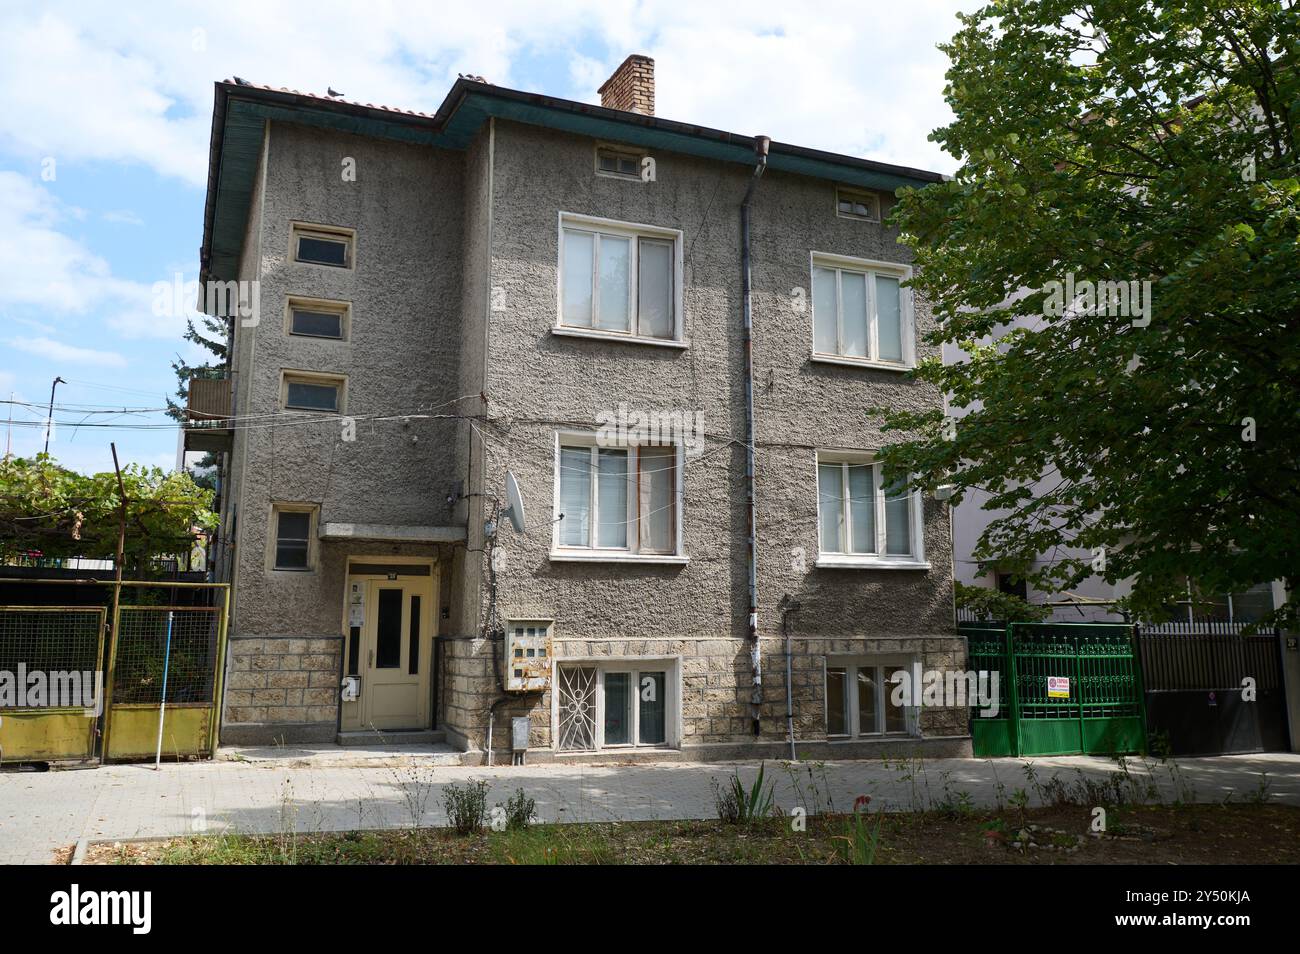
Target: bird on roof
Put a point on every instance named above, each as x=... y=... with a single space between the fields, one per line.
x=240 y=81
x=333 y=92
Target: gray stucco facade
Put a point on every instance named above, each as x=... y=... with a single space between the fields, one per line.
x=455 y=375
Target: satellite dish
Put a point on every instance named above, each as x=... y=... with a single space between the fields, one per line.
x=515 y=511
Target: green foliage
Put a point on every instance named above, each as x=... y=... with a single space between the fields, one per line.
x=466 y=806
x=990 y=604
x=737 y=805
x=519 y=810
x=860 y=838
x=59 y=512
x=1123 y=140
x=212 y=337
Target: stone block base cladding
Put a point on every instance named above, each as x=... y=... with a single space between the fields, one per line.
x=281 y=688
x=714 y=693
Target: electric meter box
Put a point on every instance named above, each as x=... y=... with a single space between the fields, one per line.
x=528 y=656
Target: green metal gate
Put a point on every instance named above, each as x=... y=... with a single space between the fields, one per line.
x=1066 y=688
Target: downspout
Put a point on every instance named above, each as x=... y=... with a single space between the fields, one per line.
x=788 y=606
x=761 y=144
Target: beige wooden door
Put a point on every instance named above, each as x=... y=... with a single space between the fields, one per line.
x=397 y=641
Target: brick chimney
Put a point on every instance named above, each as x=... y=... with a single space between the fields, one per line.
x=632 y=87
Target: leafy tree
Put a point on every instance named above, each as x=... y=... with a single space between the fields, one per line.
x=1127 y=141
x=990 y=604
x=212 y=337
x=59 y=512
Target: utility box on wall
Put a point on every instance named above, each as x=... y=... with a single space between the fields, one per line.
x=528 y=655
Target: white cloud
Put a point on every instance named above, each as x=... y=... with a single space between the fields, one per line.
x=130 y=83
x=122 y=217
x=42 y=267
x=58 y=351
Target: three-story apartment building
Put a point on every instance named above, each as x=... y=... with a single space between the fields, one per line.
x=560 y=292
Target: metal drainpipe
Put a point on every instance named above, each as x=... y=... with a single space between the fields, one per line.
x=788 y=606
x=761 y=144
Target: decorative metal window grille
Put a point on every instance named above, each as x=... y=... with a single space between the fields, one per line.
x=577 y=704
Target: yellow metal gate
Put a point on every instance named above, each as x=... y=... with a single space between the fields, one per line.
x=166 y=662
x=166 y=652
x=51 y=684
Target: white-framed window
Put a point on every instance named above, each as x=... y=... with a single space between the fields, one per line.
x=618 y=163
x=318 y=318
x=615 y=704
x=325 y=245
x=309 y=391
x=857 y=204
x=860 y=698
x=619 y=280
x=861 y=312
x=865 y=515
x=619 y=502
x=293 y=537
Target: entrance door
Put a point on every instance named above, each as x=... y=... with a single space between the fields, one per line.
x=396 y=653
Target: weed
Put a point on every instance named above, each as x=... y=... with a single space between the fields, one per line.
x=860 y=839
x=738 y=806
x=466 y=806
x=519 y=811
x=1261 y=793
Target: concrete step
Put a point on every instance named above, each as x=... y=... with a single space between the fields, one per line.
x=384 y=737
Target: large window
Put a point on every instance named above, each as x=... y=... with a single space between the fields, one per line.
x=618 y=279
x=861 y=312
x=619 y=704
x=865 y=514
x=616 y=501
x=860 y=699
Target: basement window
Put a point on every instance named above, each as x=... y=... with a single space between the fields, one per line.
x=621 y=704
x=322 y=245
x=860 y=699
x=614 y=162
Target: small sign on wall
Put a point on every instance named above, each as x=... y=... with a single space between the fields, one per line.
x=357 y=604
x=1058 y=687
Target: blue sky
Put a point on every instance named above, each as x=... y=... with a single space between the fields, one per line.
x=105 y=114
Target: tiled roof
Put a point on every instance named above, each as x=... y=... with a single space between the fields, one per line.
x=237 y=81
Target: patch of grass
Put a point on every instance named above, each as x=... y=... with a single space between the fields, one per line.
x=1148 y=834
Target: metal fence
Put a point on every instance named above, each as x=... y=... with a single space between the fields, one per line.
x=178 y=642
x=156 y=660
x=51 y=657
x=1067 y=688
x=1211 y=689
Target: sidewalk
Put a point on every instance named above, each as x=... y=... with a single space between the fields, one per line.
x=332 y=789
